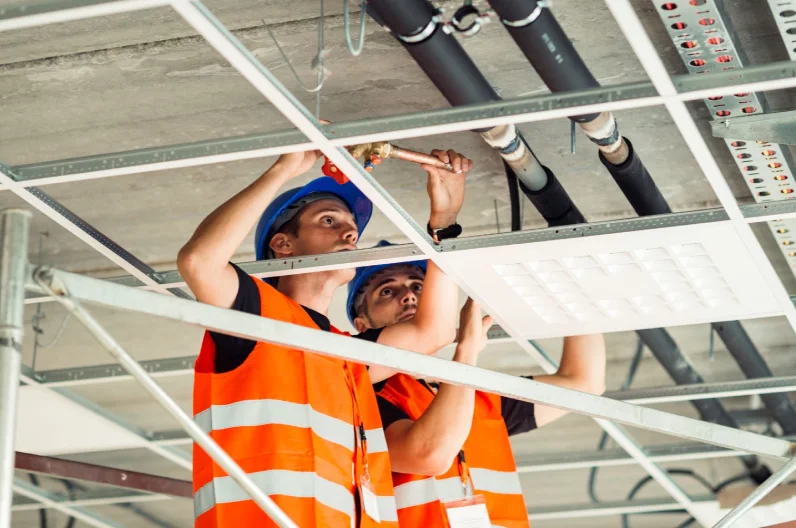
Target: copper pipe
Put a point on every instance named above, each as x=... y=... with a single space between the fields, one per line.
x=418 y=157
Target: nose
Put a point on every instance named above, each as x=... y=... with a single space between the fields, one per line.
x=409 y=297
x=351 y=234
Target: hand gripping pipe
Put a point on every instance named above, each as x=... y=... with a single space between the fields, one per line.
x=417 y=25
x=538 y=34
x=536 y=31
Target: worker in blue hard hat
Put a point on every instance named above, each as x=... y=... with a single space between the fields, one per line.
x=428 y=427
x=392 y=315
x=299 y=423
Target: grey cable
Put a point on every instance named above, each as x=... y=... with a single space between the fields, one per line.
x=355 y=51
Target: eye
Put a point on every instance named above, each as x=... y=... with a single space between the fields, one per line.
x=386 y=292
x=327 y=220
x=417 y=287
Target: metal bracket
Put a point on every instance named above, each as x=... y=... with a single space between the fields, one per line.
x=779 y=127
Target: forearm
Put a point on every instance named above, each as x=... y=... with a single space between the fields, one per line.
x=441 y=431
x=582 y=368
x=438 y=308
x=218 y=237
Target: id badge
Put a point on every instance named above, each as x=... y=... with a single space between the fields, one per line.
x=468 y=513
x=369 y=500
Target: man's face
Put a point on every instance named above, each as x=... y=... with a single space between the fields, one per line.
x=391 y=296
x=324 y=226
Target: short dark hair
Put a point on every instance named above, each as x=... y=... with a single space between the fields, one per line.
x=291 y=227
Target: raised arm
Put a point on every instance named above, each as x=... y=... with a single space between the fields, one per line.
x=428 y=446
x=204 y=261
x=434 y=324
x=582 y=368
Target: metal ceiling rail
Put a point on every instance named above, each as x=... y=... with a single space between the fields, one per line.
x=616 y=457
x=176 y=456
x=388 y=128
x=40 y=14
x=407 y=252
x=566 y=511
x=722 y=389
x=70 y=221
x=577 y=511
x=256 y=328
x=183 y=366
x=51 y=500
x=97 y=497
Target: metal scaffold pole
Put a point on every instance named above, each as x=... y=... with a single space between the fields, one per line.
x=13 y=262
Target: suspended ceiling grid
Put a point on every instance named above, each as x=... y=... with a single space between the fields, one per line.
x=129 y=201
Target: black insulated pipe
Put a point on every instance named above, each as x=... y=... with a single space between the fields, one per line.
x=417 y=26
x=636 y=184
x=676 y=364
x=549 y=50
x=753 y=365
x=414 y=23
x=553 y=203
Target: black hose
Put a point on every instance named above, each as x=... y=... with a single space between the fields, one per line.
x=70 y=489
x=42 y=512
x=646 y=480
x=637 y=185
x=547 y=47
x=514 y=197
x=631 y=373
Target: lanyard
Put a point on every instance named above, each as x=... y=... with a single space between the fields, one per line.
x=361 y=436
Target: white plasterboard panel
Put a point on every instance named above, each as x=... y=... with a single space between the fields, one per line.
x=757 y=517
x=624 y=281
x=51 y=424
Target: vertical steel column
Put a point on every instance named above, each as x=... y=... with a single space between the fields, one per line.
x=13 y=262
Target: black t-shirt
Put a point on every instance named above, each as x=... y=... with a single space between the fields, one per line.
x=518 y=415
x=232 y=351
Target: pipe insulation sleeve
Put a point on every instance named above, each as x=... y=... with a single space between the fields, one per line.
x=536 y=31
x=404 y=18
x=740 y=345
x=603 y=132
x=636 y=184
x=553 y=203
x=506 y=140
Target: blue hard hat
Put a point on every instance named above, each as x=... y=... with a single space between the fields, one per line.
x=357 y=203
x=366 y=272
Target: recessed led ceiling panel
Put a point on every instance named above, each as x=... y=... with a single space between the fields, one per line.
x=51 y=424
x=625 y=281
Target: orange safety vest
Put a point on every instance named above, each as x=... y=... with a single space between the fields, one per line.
x=292 y=420
x=486 y=462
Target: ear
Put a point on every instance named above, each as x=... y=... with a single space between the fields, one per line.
x=281 y=245
x=360 y=324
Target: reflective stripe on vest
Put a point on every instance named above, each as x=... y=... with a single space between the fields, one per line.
x=224 y=490
x=290 y=419
x=489 y=459
x=418 y=492
x=251 y=413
